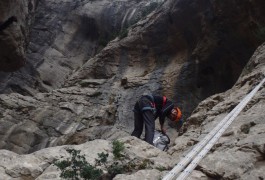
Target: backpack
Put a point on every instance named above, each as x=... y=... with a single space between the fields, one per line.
x=161 y=141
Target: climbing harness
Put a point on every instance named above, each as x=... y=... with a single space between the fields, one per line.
x=209 y=140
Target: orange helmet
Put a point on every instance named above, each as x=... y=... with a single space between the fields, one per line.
x=177 y=114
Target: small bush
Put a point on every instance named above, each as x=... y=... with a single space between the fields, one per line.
x=103 y=158
x=77 y=167
x=115 y=168
x=118 y=148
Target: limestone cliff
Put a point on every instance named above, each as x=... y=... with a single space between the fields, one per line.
x=15 y=18
x=73 y=89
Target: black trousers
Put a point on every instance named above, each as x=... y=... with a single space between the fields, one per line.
x=144 y=118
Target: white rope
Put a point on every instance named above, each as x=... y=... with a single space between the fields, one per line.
x=224 y=123
x=207 y=148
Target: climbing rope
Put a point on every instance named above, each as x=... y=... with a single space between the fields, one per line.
x=209 y=140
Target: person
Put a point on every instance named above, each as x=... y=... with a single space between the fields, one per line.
x=146 y=111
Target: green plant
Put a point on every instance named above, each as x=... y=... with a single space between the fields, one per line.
x=118 y=148
x=116 y=168
x=130 y=166
x=77 y=167
x=103 y=158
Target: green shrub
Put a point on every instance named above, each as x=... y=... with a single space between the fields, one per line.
x=103 y=158
x=77 y=167
x=118 y=148
x=116 y=168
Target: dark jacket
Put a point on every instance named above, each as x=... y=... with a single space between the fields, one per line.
x=161 y=108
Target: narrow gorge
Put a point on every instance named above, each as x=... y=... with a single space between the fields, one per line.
x=71 y=71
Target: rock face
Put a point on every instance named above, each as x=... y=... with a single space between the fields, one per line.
x=239 y=153
x=72 y=90
x=39 y=165
x=15 y=18
x=190 y=55
x=68 y=33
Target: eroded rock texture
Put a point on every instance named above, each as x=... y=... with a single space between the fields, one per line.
x=15 y=18
x=39 y=165
x=239 y=153
x=72 y=90
x=65 y=35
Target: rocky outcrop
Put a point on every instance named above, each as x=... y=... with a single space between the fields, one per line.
x=65 y=35
x=206 y=43
x=32 y=123
x=161 y=54
x=39 y=165
x=239 y=153
x=188 y=60
x=184 y=49
x=15 y=18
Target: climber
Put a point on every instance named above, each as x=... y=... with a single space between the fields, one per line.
x=147 y=109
